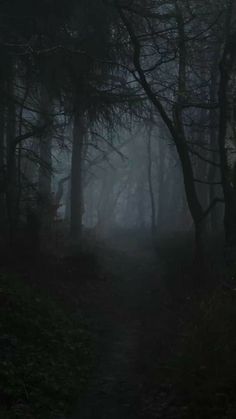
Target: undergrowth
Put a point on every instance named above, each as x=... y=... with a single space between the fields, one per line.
x=44 y=353
x=206 y=366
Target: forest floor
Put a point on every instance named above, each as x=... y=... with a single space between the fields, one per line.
x=135 y=333
x=138 y=322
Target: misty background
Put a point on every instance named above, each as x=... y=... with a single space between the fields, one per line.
x=117 y=209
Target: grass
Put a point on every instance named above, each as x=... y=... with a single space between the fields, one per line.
x=44 y=353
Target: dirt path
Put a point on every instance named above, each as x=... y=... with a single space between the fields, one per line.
x=136 y=330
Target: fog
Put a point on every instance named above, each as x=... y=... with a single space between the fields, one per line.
x=117 y=209
x=130 y=181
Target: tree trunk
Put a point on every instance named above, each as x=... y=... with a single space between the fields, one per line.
x=216 y=216
x=150 y=186
x=161 y=171
x=45 y=170
x=2 y=168
x=191 y=193
x=77 y=177
x=11 y=173
x=226 y=68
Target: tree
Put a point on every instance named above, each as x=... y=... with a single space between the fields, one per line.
x=162 y=38
x=227 y=120
x=150 y=183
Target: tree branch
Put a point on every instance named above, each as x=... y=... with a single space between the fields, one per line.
x=205 y=182
x=211 y=206
x=195 y=153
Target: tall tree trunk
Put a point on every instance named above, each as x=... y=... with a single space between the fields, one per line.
x=76 y=206
x=11 y=172
x=192 y=199
x=226 y=69
x=150 y=185
x=161 y=161
x=68 y=202
x=2 y=168
x=179 y=136
x=140 y=201
x=216 y=216
x=45 y=170
x=19 y=153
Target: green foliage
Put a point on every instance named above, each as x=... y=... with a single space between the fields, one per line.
x=44 y=352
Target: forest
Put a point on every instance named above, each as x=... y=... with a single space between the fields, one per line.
x=118 y=209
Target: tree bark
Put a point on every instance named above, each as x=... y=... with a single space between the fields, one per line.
x=216 y=216
x=11 y=172
x=2 y=167
x=161 y=171
x=77 y=177
x=45 y=169
x=226 y=67
x=150 y=186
